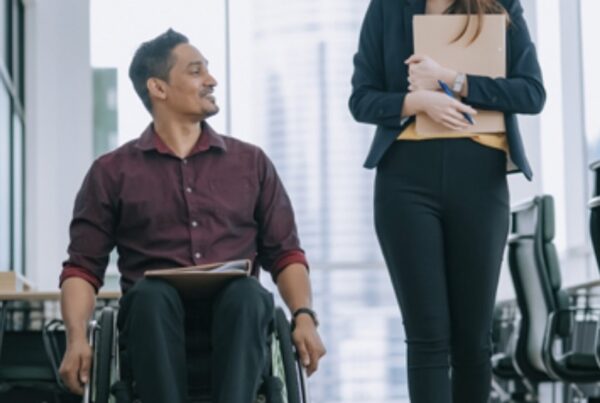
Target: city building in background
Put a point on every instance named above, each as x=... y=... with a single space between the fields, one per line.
x=302 y=63
x=302 y=67
x=106 y=136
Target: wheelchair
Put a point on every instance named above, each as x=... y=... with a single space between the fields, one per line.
x=284 y=380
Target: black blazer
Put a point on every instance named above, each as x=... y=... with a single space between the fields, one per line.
x=379 y=82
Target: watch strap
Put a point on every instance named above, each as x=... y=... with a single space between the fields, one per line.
x=307 y=311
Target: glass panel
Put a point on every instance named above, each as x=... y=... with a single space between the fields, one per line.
x=590 y=32
x=3 y=32
x=17 y=194
x=299 y=115
x=552 y=148
x=4 y=179
x=293 y=60
x=105 y=110
x=20 y=51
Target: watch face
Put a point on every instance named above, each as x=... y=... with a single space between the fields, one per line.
x=458 y=82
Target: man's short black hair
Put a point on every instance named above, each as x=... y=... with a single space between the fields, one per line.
x=154 y=59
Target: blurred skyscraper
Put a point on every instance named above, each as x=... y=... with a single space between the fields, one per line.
x=302 y=62
x=303 y=65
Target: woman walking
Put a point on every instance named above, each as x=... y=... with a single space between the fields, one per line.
x=441 y=202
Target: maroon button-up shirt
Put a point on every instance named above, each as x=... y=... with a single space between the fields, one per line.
x=223 y=202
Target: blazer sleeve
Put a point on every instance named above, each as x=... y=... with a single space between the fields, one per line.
x=522 y=91
x=370 y=101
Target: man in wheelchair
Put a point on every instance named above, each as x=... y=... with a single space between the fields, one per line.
x=183 y=195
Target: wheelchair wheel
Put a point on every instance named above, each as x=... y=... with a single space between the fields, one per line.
x=103 y=348
x=287 y=358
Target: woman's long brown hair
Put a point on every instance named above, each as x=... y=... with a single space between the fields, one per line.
x=475 y=7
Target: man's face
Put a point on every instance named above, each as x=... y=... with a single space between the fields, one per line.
x=190 y=86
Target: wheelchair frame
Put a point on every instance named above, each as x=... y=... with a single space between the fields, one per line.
x=106 y=368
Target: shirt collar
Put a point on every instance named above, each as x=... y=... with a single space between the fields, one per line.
x=150 y=140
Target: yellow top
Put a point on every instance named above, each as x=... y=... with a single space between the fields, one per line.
x=496 y=140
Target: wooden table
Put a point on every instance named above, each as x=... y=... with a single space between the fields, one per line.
x=49 y=295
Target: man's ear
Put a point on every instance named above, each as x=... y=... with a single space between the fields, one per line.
x=157 y=88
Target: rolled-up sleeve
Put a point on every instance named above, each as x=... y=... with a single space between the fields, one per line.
x=92 y=228
x=278 y=242
x=80 y=272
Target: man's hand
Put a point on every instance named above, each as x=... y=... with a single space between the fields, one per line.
x=77 y=305
x=75 y=367
x=308 y=343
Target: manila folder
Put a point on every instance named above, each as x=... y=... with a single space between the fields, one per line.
x=486 y=56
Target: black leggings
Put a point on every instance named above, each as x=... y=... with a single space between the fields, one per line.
x=441 y=215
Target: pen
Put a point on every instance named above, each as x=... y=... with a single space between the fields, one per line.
x=449 y=93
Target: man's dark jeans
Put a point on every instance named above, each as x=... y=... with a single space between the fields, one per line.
x=153 y=322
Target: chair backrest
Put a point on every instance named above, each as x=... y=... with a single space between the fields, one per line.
x=594 y=206
x=535 y=272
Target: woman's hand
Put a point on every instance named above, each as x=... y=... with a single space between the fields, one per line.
x=443 y=109
x=424 y=72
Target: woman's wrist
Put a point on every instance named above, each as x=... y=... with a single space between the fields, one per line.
x=412 y=103
x=448 y=76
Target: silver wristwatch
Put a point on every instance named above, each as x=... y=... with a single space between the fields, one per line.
x=459 y=82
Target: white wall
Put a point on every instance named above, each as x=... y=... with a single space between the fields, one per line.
x=59 y=128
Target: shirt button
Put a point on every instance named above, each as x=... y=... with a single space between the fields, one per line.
x=184 y=161
x=194 y=223
x=188 y=189
x=197 y=255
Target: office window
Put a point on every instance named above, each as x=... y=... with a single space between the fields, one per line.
x=18 y=50
x=105 y=110
x=11 y=137
x=299 y=60
x=294 y=61
x=4 y=27
x=590 y=32
x=551 y=118
x=18 y=199
x=14 y=51
x=5 y=233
